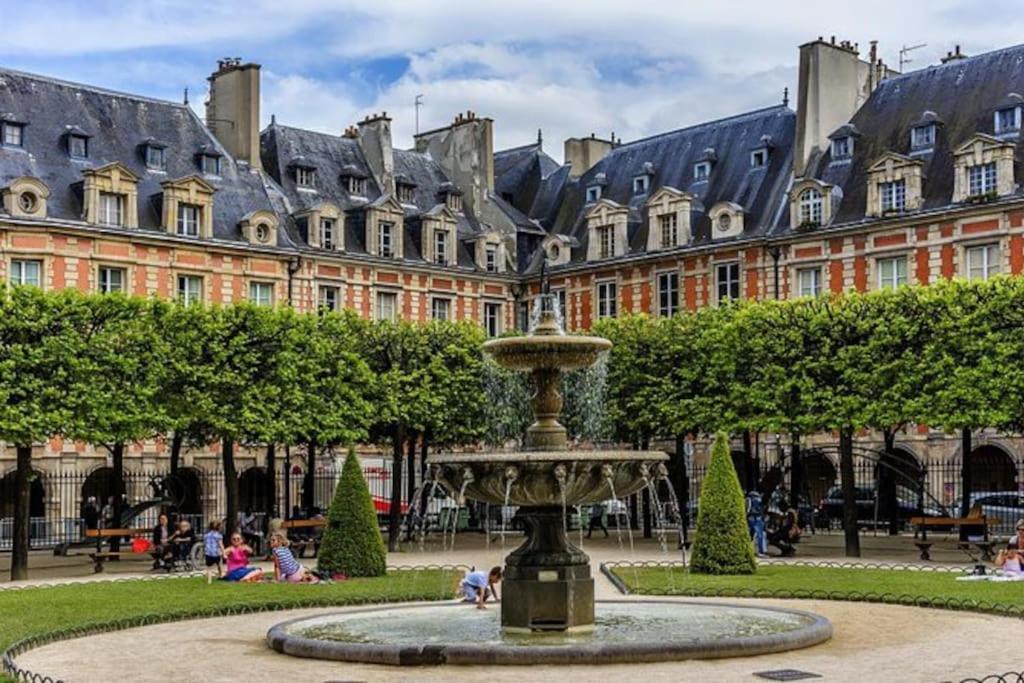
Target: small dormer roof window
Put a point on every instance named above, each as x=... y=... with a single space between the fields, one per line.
x=77 y=141
x=842 y=141
x=925 y=131
x=641 y=184
x=593 y=194
x=208 y=158
x=1007 y=120
x=155 y=155
x=701 y=171
x=305 y=172
x=354 y=179
x=759 y=158
x=12 y=131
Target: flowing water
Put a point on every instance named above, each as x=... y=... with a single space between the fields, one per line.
x=674 y=504
x=629 y=529
x=456 y=510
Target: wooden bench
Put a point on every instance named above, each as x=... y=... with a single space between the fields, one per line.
x=300 y=544
x=923 y=523
x=100 y=556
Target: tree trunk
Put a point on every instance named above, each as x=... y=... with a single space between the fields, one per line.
x=886 y=493
x=646 y=500
x=796 y=471
x=748 y=480
x=22 y=498
x=410 y=486
x=176 y=441
x=287 y=512
x=271 y=482
x=395 y=512
x=965 y=471
x=117 y=460
x=227 y=454
x=309 y=480
x=849 y=492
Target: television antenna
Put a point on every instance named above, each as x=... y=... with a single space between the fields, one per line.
x=905 y=50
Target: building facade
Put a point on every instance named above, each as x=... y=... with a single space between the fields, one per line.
x=875 y=180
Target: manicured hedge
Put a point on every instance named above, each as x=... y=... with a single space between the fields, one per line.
x=352 y=544
x=722 y=544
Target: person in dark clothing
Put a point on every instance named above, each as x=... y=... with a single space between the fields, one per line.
x=91 y=513
x=597 y=519
x=182 y=540
x=162 y=533
x=789 y=530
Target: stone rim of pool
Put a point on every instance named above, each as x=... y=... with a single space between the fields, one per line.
x=283 y=639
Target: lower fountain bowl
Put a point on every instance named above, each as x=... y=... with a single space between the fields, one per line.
x=546 y=478
x=625 y=631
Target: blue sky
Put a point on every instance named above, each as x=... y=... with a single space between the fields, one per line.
x=570 y=68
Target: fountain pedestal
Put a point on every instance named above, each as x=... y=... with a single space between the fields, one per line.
x=547 y=584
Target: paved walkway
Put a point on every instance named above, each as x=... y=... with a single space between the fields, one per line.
x=871 y=642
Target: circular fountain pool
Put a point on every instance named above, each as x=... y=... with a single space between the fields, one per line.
x=632 y=631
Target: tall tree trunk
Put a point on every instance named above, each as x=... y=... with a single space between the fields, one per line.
x=227 y=454
x=796 y=471
x=287 y=512
x=22 y=498
x=395 y=512
x=849 y=492
x=117 y=460
x=410 y=486
x=748 y=462
x=309 y=480
x=271 y=482
x=887 y=507
x=424 y=446
x=176 y=441
x=966 y=484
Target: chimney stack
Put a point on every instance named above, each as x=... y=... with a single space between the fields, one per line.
x=233 y=109
x=582 y=154
x=954 y=55
x=374 y=135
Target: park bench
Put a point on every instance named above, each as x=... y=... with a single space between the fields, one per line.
x=984 y=546
x=302 y=542
x=99 y=556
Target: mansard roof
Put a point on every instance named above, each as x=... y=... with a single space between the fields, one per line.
x=118 y=123
x=562 y=208
x=518 y=173
x=962 y=94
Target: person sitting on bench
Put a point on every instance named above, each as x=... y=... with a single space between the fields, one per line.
x=183 y=539
x=788 y=531
x=162 y=533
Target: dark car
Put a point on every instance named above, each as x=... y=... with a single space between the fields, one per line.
x=831 y=506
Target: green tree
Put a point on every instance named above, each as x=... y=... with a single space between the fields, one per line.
x=352 y=544
x=42 y=338
x=722 y=545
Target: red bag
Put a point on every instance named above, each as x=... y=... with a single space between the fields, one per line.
x=141 y=545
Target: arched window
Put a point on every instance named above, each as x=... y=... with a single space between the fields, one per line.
x=810 y=207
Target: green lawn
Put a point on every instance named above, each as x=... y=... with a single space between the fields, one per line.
x=842 y=583
x=33 y=611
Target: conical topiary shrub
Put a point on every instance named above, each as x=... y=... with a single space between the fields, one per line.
x=722 y=544
x=352 y=544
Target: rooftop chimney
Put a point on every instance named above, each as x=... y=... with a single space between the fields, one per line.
x=374 y=135
x=233 y=109
x=954 y=55
x=582 y=154
x=465 y=150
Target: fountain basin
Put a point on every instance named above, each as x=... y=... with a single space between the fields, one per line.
x=625 y=631
x=585 y=476
x=547 y=351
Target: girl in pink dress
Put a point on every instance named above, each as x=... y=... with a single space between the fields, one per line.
x=237 y=556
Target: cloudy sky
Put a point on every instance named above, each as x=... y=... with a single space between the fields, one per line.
x=568 y=67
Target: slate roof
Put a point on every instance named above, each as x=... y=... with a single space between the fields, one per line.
x=962 y=95
x=519 y=172
x=119 y=125
x=560 y=204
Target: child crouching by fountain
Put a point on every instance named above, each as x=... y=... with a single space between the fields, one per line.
x=286 y=567
x=477 y=586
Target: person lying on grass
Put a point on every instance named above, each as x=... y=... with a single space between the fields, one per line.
x=237 y=557
x=286 y=567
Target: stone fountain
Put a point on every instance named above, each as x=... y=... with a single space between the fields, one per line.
x=547 y=584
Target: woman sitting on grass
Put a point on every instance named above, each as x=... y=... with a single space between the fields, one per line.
x=286 y=567
x=237 y=557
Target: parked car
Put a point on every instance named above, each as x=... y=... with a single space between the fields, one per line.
x=830 y=509
x=1004 y=506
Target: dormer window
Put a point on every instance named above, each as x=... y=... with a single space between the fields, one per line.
x=922 y=137
x=111 y=209
x=385 y=239
x=701 y=171
x=78 y=146
x=593 y=194
x=641 y=183
x=810 y=206
x=893 y=196
x=305 y=177
x=842 y=148
x=1007 y=120
x=356 y=186
x=328 y=237
x=491 y=258
x=759 y=158
x=189 y=218
x=605 y=241
x=13 y=133
x=406 y=193
x=156 y=158
x=210 y=164
x=454 y=202
x=441 y=247
x=981 y=179
x=669 y=225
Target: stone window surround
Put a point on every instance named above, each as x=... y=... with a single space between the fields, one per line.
x=127 y=266
x=12 y=193
x=817 y=264
x=983 y=149
x=997 y=240
x=188 y=190
x=442 y=221
x=112 y=178
x=500 y=319
x=713 y=276
x=607 y=213
x=557 y=243
x=490 y=240
x=204 y=294
x=598 y=282
x=313 y=216
x=44 y=268
x=337 y=284
x=450 y=298
x=892 y=167
x=253 y=220
x=386 y=213
x=900 y=251
x=794 y=200
x=656 y=288
x=258 y=281
x=735 y=213
x=376 y=291
x=668 y=200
